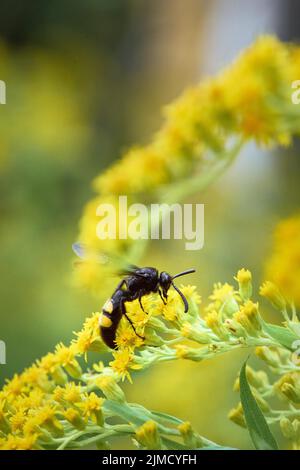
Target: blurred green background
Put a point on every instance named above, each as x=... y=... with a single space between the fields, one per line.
x=85 y=80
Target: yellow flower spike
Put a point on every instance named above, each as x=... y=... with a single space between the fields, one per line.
x=110 y=388
x=244 y=279
x=74 y=418
x=283 y=265
x=148 y=436
x=273 y=294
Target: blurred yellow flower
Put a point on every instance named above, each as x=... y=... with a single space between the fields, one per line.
x=283 y=266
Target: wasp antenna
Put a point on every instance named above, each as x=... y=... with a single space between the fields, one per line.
x=188 y=271
x=186 y=305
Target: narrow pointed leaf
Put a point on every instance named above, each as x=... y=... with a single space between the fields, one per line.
x=257 y=425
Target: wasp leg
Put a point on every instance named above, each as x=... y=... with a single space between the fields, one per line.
x=161 y=296
x=129 y=320
x=140 y=301
x=120 y=285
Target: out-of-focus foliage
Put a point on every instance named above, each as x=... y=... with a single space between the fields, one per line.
x=204 y=131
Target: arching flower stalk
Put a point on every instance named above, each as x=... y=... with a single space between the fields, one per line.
x=56 y=403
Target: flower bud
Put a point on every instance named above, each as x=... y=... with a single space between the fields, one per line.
x=244 y=279
x=213 y=322
x=271 y=292
x=74 y=418
x=237 y=416
x=74 y=369
x=191 y=332
x=248 y=316
x=59 y=376
x=190 y=439
x=110 y=388
x=268 y=355
x=148 y=436
x=287 y=428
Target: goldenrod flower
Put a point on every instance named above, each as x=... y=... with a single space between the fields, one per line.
x=148 y=436
x=92 y=408
x=17 y=421
x=273 y=294
x=108 y=385
x=244 y=278
x=72 y=393
x=248 y=316
x=74 y=418
x=123 y=361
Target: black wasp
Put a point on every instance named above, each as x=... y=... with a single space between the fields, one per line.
x=136 y=283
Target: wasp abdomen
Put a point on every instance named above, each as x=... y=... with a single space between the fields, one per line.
x=109 y=320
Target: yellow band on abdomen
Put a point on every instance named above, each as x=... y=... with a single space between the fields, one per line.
x=104 y=321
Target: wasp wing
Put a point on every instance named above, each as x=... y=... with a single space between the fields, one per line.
x=86 y=253
x=129 y=270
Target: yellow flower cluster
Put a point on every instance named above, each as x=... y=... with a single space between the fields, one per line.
x=56 y=403
x=283 y=267
x=251 y=99
x=52 y=398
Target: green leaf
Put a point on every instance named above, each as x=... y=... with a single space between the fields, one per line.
x=166 y=417
x=257 y=425
x=281 y=334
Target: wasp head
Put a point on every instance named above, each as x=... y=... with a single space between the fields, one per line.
x=165 y=281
